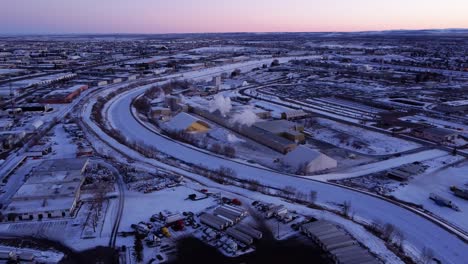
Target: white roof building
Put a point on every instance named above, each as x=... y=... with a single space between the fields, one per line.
x=312 y=159
x=187 y=123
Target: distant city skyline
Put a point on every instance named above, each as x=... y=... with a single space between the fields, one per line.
x=204 y=16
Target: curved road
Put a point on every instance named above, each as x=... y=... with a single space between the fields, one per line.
x=418 y=231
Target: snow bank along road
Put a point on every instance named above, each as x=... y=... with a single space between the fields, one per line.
x=419 y=232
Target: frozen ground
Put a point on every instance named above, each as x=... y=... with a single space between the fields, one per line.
x=358 y=139
x=140 y=206
x=439 y=182
x=62 y=144
x=41 y=256
x=419 y=231
x=276 y=110
x=382 y=165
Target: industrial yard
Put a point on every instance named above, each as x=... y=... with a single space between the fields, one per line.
x=234 y=148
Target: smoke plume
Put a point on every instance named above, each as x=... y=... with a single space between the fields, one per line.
x=246 y=117
x=221 y=103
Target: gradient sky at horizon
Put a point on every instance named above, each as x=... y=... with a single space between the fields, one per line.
x=182 y=16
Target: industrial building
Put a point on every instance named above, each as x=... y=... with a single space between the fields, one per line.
x=52 y=191
x=187 y=123
x=294 y=115
x=454 y=106
x=158 y=112
x=404 y=172
x=173 y=102
x=259 y=112
x=436 y=134
x=341 y=247
x=64 y=96
x=309 y=159
x=283 y=128
x=261 y=136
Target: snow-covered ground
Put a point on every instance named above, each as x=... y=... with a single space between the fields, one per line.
x=140 y=206
x=382 y=165
x=63 y=146
x=220 y=49
x=419 y=232
x=276 y=110
x=358 y=139
x=439 y=182
x=40 y=256
x=422 y=119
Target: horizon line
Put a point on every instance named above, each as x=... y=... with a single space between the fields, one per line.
x=225 y=32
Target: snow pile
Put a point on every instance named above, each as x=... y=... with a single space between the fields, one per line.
x=221 y=103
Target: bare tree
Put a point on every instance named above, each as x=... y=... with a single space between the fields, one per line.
x=346 y=209
x=312 y=196
x=229 y=151
x=99 y=196
x=289 y=191
x=399 y=238
x=216 y=148
x=93 y=219
x=388 y=232
x=427 y=255
x=301 y=196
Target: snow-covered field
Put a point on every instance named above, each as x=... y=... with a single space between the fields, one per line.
x=417 y=229
x=140 y=207
x=439 y=182
x=63 y=146
x=276 y=110
x=220 y=49
x=358 y=139
x=419 y=232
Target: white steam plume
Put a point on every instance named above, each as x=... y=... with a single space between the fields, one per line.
x=221 y=103
x=246 y=117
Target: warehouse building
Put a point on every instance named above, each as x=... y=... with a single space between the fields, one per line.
x=309 y=160
x=64 y=96
x=187 y=123
x=294 y=115
x=259 y=112
x=283 y=128
x=404 y=172
x=158 y=112
x=261 y=136
x=341 y=247
x=436 y=134
x=52 y=191
x=454 y=106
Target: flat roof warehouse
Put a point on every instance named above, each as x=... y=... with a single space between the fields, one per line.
x=53 y=190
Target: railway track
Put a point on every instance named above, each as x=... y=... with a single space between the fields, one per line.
x=115 y=228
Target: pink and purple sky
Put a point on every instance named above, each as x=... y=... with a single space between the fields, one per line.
x=181 y=16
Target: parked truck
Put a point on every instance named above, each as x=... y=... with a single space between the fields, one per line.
x=165 y=231
x=441 y=201
x=246 y=239
x=249 y=231
x=462 y=193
